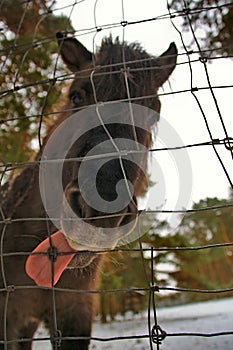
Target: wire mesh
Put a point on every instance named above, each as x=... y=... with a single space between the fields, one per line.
x=156 y=335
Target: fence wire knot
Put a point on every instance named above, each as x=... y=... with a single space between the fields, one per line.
x=186 y=11
x=154 y=288
x=53 y=81
x=98 y=29
x=158 y=334
x=7 y=221
x=203 y=59
x=56 y=339
x=228 y=143
x=10 y=288
x=52 y=253
x=127 y=73
x=124 y=23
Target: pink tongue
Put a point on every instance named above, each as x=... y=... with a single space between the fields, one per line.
x=41 y=268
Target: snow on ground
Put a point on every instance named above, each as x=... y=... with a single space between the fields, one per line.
x=205 y=317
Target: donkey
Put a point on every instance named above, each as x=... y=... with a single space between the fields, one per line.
x=67 y=309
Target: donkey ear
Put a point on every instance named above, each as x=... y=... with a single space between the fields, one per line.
x=73 y=53
x=166 y=63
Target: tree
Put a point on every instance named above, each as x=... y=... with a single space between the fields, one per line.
x=206 y=268
x=215 y=17
x=179 y=258
x=28 y=63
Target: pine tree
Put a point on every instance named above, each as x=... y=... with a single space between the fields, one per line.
x=206 y=268
x=215 y=19
x=28 y=61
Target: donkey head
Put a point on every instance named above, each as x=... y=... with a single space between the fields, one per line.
x=117 y=72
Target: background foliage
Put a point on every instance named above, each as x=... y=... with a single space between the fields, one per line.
x=27 y=63
x=215 y=24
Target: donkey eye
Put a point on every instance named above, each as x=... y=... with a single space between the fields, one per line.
x=76 y=98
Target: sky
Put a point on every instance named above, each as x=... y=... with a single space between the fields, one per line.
x=181 y=177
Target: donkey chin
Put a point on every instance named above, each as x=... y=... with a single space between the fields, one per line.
x=92 y=232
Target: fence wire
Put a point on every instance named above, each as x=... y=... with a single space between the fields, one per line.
x=156 y=335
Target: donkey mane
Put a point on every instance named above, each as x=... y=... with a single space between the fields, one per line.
x=112 y=57
x=113 y=49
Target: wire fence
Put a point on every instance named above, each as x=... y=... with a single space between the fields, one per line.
x=224 y=143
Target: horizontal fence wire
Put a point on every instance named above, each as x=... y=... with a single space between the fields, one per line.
x=156 y=335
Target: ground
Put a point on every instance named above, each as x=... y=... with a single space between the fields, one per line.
x=206 y=317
